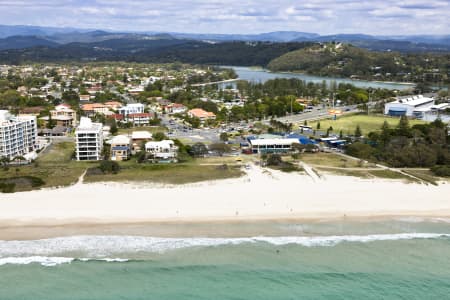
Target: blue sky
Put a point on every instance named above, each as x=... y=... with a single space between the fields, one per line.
x=235 y=16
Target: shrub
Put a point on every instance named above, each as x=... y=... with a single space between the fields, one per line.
x=442 y=171
x=108 y=166
x=274 y=160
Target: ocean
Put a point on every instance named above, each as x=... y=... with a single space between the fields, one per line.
x=403 y=258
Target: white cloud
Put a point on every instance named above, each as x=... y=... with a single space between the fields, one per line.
x=236 y=16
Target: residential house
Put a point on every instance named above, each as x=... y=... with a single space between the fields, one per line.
x=175 y=108
x=113 y=105
x=162 y=151
x=138 y=138
x=120 y=148
x=85 y=98
x=64 y=115
x=132 y=108
x=140 y=119
x=94 y=108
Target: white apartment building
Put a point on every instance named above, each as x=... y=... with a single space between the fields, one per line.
x=89 y=138
x=133 y=108
x=18 y=135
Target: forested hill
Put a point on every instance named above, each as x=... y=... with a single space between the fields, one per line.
x=326 y=59
x=343 y=60
x=156 y=50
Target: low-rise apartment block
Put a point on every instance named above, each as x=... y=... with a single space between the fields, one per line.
x=89 y=140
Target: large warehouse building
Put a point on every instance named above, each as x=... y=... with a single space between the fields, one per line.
x=408 y=105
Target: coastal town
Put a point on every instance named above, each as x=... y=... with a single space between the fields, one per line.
x=200 y=150
x=117 y=117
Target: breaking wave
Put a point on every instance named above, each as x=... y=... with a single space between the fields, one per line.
x=55 y=251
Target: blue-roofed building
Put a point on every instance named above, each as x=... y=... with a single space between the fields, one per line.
x=304 y=140
x=120 y=148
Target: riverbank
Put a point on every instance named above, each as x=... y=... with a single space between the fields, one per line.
x=258 y=196
x=262 y=75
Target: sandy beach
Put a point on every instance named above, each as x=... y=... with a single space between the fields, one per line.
x=260 y=195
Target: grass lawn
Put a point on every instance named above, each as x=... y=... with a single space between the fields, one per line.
x=181 y=173
x=384 y=174
x=54 y=167
x=329 y=160
x=367 y=123
x=425 y=175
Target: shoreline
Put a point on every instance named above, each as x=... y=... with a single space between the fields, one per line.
x=207 y=228
x=258 y=197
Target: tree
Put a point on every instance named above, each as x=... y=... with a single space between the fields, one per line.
x=385 y=135
x=51 y=123
x=198 y=149
x=403 y=128
x=108 y=166
x=360 y=150
x=358 y=132
x=113 y=129
x=220 y=148
x=224 y=136
x=274 y=160
x=159 y=136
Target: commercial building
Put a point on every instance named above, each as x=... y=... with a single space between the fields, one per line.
x=406 y=106
x=162 y=151
x=201 y=114
x=261 y=146
x=89 y=140
x=120 y=148
x=18 y=135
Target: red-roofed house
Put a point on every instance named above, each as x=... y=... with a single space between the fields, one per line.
x=203 y=115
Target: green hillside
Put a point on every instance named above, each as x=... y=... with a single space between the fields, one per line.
x=343 y=60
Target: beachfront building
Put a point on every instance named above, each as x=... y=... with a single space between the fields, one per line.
x=262 y=146
x=18 y=135
x=408 y=106
x=89 y=140
x=203 y=115
x=120 y=148
x=138 y=138
x=162 y=151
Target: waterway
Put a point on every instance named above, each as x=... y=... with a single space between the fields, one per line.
x=262 y=75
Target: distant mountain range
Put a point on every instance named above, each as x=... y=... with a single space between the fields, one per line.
x=20 y=37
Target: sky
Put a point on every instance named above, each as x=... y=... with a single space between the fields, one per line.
x=388 y=17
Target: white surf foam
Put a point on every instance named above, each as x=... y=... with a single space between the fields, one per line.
x=55 y=250
x=42 y=260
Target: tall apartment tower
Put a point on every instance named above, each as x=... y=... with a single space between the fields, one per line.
x=18 y=135
x=89 y=139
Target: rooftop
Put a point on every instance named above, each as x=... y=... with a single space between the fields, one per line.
x=141 y=135
x=259 y=142
x=413 y=100
x=86 y=124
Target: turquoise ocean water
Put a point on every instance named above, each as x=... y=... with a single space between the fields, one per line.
x=391 y=259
